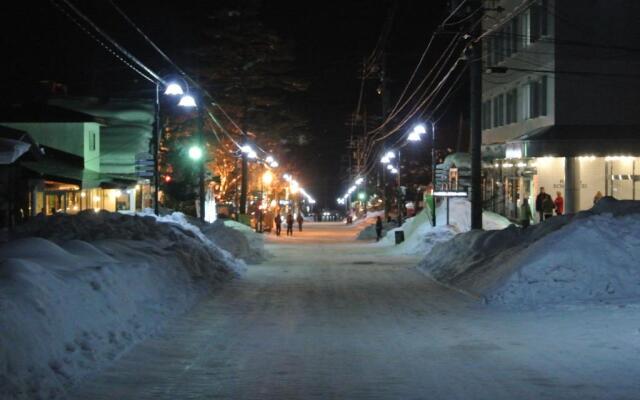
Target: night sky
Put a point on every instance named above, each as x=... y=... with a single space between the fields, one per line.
x=331 y=39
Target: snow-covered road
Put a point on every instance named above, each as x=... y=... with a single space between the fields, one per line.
x=329 y=318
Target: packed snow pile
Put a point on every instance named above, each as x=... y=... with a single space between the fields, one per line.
x=238 y=239
x=588 y=257
x=78 y=291
x=421 y=236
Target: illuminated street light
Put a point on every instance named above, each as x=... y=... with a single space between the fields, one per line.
x=361 y=196
x=295 y=186
x=419 y=129
x=246 y=149
x=414 y=137
x=267 y=178
x=269 y=159
x=252 y=155
x=390 y=155
x=174 y=89
x=390 y=167
x=274 y=164
x=187 y=101
x=359 y=181
x=385 y=160
x=195 y=153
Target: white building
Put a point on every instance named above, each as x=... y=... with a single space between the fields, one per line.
x=561 y=101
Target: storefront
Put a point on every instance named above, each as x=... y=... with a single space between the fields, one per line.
x=59 y=187
x=578 y=169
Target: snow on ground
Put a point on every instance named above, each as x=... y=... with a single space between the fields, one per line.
x=76 y=292
x=239 y=239
x=421 y=236
x=588 y=257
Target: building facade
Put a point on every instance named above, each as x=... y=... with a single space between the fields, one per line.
x=561 y=102
x=68 y=177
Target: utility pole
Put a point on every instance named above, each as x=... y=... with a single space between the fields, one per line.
x=474 y=54
x=203 y=162
x=245 y=162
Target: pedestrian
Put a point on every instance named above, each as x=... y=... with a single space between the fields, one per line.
x=597 y=197
x=559 y=203
x=525 y=212
x=289 y=224
x=378 y=229
x=547 y=207
x=300 y=220
x=539 y=201
x=278 y=221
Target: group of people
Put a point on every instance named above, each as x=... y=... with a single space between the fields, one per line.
x=289 y=222
x=546 y=206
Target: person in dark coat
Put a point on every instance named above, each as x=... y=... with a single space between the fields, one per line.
x=540 y=198
x=547 y=207
x=378 y=229
x=300 y=220
x=278 y=221
x=289 y=224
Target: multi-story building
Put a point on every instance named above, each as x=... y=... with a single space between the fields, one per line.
x=561 y=101
x=68 y=177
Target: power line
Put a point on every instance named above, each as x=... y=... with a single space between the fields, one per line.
x=112 y=41
x=101 y=43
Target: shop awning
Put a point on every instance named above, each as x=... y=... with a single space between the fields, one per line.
x=57 y=170
x=576 y=140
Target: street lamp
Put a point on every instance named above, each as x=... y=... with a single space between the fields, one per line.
x=170 y=89
x=267 y=178
x=187 y=101
x=195 y=153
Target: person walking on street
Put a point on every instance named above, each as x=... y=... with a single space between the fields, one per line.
x=597 y=197
x=547 y=207
x=278 y=221
x=300 y=220
x=559 y=203
x=378 y=229
x=525 y=212
x=540 y=198
x=289 y=224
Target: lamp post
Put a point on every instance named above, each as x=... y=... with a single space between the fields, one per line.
x=186 y=100
x=266 y=180
x=415 y=136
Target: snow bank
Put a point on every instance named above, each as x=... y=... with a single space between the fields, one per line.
x=239 y=240
x=421 y=236
x=588 y=257
x=235 y=238
x=78 y=291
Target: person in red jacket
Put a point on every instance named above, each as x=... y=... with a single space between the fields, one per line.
x=559 y=203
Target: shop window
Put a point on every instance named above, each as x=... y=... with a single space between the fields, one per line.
x=512 y=106
x=515 y=35
x=486 y=115
x=92 y=141
x=538 y=98
x=524 y=101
